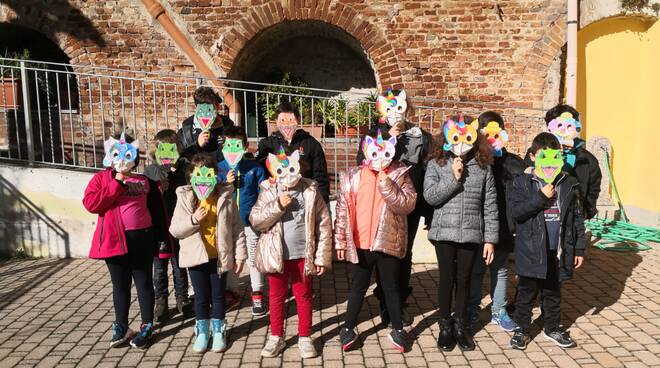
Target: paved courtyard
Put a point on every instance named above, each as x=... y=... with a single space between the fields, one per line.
x=58 y=313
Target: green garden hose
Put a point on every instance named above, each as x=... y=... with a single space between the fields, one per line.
x=621 y=236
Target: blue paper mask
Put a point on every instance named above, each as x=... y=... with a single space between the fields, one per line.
x=119 y=154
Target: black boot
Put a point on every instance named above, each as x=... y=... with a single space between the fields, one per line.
x=462 y=335
x=446 y=339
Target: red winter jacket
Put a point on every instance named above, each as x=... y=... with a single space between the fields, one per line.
x=109 y=239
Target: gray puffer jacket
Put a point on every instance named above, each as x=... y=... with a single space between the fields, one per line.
x=465 y=211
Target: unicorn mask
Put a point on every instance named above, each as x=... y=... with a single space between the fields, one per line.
x=460 y=137
x=232 y=151
x=566 y=128
x=377 y=152
x=285 y=169
x=496 y=136
x=391 y=108
x=203 y=181
x=120 y=155
x=548 y=164
x=166 y=154
x=205 y=115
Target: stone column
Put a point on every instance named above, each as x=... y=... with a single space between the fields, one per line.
x=600 y=147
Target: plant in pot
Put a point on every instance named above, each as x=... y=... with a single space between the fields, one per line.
x=11 y=95
x=290 y=87
x=347 y=118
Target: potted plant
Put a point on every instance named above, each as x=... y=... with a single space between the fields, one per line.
x=348 y=118
x=11 y=96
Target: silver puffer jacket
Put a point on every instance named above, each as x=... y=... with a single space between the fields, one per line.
x=399 y=196
x=266 y=216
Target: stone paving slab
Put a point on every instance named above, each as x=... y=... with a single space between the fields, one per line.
x=57 y=313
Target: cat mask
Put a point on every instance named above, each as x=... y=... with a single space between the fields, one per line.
x=378 y=153
x=285 y=169
x=460 y=137
x=391 y=108
x=120 y=155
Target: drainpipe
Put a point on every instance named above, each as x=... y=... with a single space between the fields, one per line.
x=158 y=12
x=571 y=52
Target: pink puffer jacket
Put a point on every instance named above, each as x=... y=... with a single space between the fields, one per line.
x=266 y=218
x=399 y=196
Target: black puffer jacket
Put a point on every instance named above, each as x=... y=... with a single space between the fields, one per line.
x=188 y=138
x=312 y=158
x=504 y=170
x=526 y=204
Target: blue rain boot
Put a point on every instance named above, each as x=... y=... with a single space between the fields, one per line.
x=202 y=333
x=219 y=343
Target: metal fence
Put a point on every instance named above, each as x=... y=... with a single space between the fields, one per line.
x=60 y=114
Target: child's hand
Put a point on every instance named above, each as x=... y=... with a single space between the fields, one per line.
x=489 y=251
x=285 y=200
x=231 y=176
x=382 y=176
x=579 y=260
x=203 y=138
x=319 y=270
x=200 y=213
x=238 y=267
x=548 y=190
x=457 y=167
x=120 y=177
x=395 y=130
x=341 y=254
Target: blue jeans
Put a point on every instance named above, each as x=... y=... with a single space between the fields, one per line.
x=498 y=281
x=161 y=280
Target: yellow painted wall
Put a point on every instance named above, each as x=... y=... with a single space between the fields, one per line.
x=619 y=97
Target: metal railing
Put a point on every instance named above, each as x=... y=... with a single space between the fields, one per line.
x=60 y=114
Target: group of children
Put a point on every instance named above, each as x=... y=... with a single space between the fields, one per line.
x=206 y=206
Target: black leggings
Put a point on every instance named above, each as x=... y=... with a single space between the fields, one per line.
x=136 y=264
x=455 y=261
x=209 y=290
x=388 y=268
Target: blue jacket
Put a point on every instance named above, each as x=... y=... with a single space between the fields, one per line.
x=526 y=204
x=250 y=174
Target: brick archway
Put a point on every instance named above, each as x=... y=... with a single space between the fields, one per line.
x=379 y=51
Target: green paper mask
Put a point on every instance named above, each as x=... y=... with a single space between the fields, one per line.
x=548 y=164
x=203 y=181
x=232 y=151
x=166 y=154
x=205 y=115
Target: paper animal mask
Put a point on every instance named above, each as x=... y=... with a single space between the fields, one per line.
x=548 y=164
x=232 y=151
x=378 y=154
x=391 y=108
x=287 y=125
x=565 y=128
x=205 y=115
x=460 y=137
x=166 y=154
x=203 y=181
x=285 y=169
x=496 y=136
x=119 y=154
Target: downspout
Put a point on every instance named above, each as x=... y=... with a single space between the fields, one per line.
x=158 y=12
x=571 y=52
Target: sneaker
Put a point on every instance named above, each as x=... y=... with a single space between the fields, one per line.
x=258 y=308
x=306 y=346
x=182 y=303
x=347 y=338
x=560 y=337
x=160 y=309
x=399 y=340
x=120 y=334
x=219 y=342
x=503 y=320
x=520 y=339
x=202 y=336
x=141 y=340
x=231 y=300
x=274 y=346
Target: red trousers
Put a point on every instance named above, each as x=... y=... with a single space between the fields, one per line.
x=302 y=290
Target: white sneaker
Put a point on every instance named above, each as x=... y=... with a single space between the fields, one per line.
x=306 y=346
x=274 y=346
